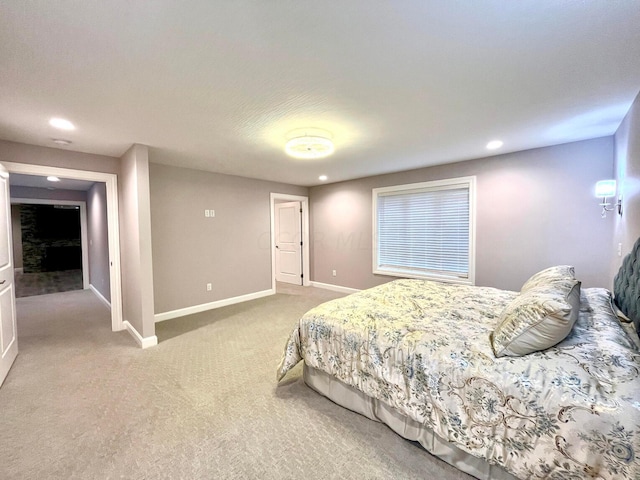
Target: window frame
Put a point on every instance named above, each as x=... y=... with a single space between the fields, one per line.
x=445 y=184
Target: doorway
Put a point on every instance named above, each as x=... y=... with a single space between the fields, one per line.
x=49 y=245
x=288 y=225
x=113 y=236
x=295 y=209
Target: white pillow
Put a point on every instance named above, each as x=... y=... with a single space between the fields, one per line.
x=537 y=319
x=549 y=275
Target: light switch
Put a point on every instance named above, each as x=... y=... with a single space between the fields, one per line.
x=206 y=213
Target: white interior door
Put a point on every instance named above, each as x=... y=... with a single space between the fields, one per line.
x=288 y=225
x=8 y=332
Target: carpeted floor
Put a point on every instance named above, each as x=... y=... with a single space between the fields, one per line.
x=82 y=402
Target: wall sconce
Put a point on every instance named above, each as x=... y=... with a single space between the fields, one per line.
x=604 y=189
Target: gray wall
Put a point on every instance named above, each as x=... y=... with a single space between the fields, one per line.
x=231 y=251
x=98 y=238
x=46 y=194
x=535 y=208
x=135 y=240
x=57 y=157
x=627 y=174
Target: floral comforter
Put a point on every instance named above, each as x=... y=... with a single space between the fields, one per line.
x=569 y=412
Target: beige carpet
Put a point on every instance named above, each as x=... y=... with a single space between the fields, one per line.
x=82 y=402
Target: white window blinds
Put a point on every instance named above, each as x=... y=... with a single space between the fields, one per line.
x=425 y=230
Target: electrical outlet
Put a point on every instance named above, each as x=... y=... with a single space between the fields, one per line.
x=333 y=273
x=208 y=287
x=619 y=249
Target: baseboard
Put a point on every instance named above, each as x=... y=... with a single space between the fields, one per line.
x=181 y=312
x=335 y=288
x=144 y=342
x=100 y=296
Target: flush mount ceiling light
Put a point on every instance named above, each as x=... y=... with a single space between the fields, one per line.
x=61 y=124
x=53 y=179
x=309 y=143
x=322 y=178
x=494 y=144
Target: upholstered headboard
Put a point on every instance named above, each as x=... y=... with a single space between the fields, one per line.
x=626 y=286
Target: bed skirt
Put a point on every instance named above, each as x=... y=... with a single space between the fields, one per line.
x=354 y=400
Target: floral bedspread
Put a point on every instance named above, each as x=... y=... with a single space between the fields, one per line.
x=569 y=412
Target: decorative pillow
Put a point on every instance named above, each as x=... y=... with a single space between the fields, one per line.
x=537 y=319
x=548 y=275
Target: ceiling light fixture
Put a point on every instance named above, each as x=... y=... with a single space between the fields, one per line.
x=53 y=179
x=494 y=144
x=309 y=143
x=62 y=124
x=322 y=178
x=61 y=141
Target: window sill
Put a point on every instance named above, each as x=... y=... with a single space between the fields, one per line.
x=432 y=277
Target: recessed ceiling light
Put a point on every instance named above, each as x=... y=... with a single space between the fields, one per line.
x=494 y=144
x=61 y=124
x=61 y=141
x=322 y=178
x=53 y=179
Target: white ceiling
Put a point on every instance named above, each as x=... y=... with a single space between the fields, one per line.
x=216 y=85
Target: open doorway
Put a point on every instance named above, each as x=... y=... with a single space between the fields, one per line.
x=288 y=228
x=289 y=206
x=49 y=246
x=108 y=245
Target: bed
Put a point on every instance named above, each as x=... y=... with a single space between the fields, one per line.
x=430 y=360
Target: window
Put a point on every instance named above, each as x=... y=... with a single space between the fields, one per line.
x=426 y=230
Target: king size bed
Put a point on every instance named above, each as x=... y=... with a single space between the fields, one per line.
x=541 y=383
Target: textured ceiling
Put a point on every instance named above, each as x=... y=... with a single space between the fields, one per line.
x=216 y=85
